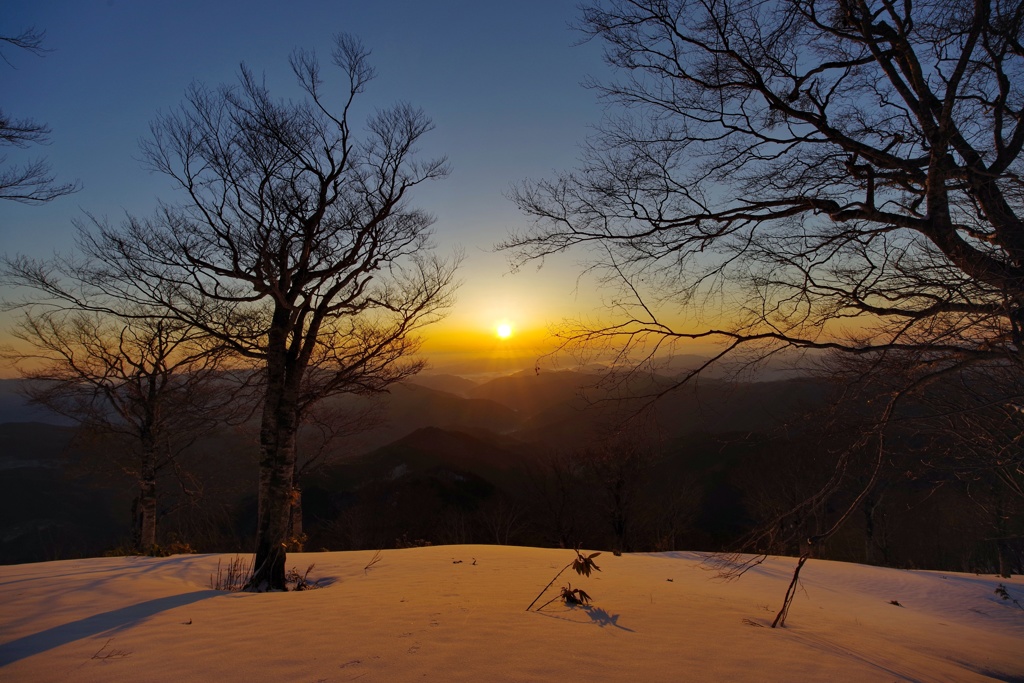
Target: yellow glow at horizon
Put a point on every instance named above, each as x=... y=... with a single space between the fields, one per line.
x=503 y=329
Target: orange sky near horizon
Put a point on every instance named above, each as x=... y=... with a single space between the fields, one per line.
x=507 y=106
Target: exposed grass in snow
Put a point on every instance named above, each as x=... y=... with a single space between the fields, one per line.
x=458 y=613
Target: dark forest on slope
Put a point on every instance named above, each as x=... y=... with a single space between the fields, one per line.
x=533 y=459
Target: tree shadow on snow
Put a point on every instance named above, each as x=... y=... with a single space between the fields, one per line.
x=90 y=626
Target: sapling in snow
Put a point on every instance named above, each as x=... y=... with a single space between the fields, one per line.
x=582 y=565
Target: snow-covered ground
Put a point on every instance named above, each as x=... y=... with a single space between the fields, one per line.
x=457 y=613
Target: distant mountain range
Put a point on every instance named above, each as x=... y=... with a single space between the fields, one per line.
x=549 y=457
x=525 y=411
x=15 y=407
x=435 y=438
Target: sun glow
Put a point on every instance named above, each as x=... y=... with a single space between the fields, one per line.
x=503 y=330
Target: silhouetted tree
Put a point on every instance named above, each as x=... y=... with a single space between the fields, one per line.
x=840 y=174
x=155 y=383
x=295 y=246
x=502 y=517
x=804 y=163
x=618 y=464
x=31 y=183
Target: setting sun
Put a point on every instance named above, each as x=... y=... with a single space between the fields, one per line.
x=503 y=330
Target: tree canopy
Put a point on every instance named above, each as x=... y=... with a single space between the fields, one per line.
x=294 y=246
x=828 y=174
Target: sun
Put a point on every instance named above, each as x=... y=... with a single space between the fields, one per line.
x=503 y=330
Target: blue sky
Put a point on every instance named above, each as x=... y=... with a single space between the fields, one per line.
x=500 y=80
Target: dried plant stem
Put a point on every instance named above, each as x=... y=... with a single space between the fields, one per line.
x=550 y=583
x=546 y=603
x=232 y=578
x=373 y=560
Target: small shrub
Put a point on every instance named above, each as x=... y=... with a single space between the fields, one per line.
x=233 y=577
x=373 y=561
x=585 y=565
x=172 y=548
x=1005 y=595
x=300 y=582
x=122 y=550
x=296 y=544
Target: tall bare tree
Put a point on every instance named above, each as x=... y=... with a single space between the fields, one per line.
x=30 y=183
x=840 y=173
x=295 y=246
x=812 y=174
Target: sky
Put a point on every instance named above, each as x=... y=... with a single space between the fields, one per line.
x=501 y=81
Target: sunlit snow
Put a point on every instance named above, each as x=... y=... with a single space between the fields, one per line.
x=457 y=613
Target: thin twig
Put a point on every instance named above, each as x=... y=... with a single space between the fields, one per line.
x=780 y=618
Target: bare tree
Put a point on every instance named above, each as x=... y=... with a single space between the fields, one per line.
x=812 y=174
x=294 y=245
x=840 y=174
x=618 y=463
x=152 y=382
x=502 y=518
x=30 y=183
x=978 y=420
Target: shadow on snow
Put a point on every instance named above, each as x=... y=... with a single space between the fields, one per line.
x=90 y=626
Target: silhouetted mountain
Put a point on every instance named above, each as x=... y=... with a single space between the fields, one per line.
x=482 y=453
x=486 y=366
x=738 y=367
x=433 y=484
x=515 y=463
x=453 y=384
x=530 y=393
x=15 y=406
x=408 y=407
x=737 y=407
x=566 y=409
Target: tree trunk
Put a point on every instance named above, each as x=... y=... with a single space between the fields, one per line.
x=274 y=517
x=1001 y=535
x=1004 y=564
x=277 y=470
x=869 y=529
x=147 y=511
x=296 y=538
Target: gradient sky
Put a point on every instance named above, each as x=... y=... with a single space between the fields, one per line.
x=500 y=80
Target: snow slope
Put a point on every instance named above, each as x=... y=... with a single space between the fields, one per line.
x=457 y=613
